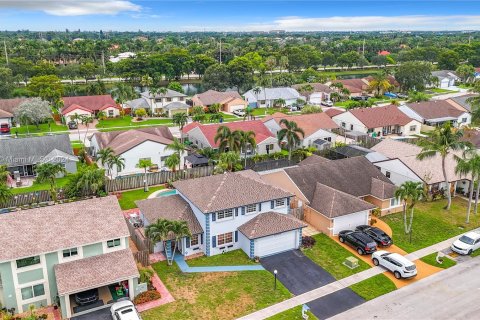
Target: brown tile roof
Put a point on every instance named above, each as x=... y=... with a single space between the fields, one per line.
x=391 y=80
x=9 y=105
x=92 y=103
x=353 y=85
x=332 y=112
x=31 y=232
x=392 y=148
x=435 y=109
x=93 y=272
x=350 y=175
x=211 y=96
x=269 y=223
x=173 y=208
x=310 y=123
x=313 y=159
x=124 y=140
x=5 y=114
x=381 y=116
x=334 y=203
x=472 y=136
x=228 y=190
x=382 y=189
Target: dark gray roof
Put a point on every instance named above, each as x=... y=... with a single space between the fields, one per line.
x=33 y=149
x=313 y=159
x=349 y=175
x=352 y=151
x=196 y=159
x=462 y=101
x=138 y=103
x=320 y=142
x=269 y=223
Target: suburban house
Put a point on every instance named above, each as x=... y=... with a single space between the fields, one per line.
x=167 y=103
x=266 y=97
x=203 y=135
x=136 y=144
x=402 y=165
x=446 y=78
x=462 y=102
x=473 y=136
x=477 y=73
x=320 y=93
x=337 y=195
x=89 y=106
x=87 y=250
x=317 y=126
x=233 y=211
x=333 y=111
x=229 y=101
x=23 y=154
x=378 y=121
x=437 y=112
x=7 y=109
x=6 y=117
x=357 y=87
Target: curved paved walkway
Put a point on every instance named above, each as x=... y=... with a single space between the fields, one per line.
x=184 y=267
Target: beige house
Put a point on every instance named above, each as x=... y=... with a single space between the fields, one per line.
x=89 y=106
x=229 y=101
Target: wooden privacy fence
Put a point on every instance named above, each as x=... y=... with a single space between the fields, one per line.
x=297 y=213
x=28 y=198
x=153 y=178
x=142 y=257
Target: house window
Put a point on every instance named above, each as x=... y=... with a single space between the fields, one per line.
x=225 y=214
x=279 y=203
x=70 y=252
x=394 y=202
x=413 y=128
x=387 y=174
x=464 y=120
x=351 y=127
x=328 y=139
x=343 y=124
x=194 y=240
x=26 y=262
x=169 y=99
x=251 y=208
x=110 y=113
x=33 y=291
x=113 y=243
x=225 y=238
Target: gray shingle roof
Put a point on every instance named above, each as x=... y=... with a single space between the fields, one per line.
x=177 y=105
x=10 y=105
x=313 y=159
x=93 y=272
x=169 y=94
x=276 y=93
x=138 y=103
x=31 y=232
x=173 y=208
x=33 y=149
x=269 y=223
x=228 y=190
x=463 y=101
x=435 y=109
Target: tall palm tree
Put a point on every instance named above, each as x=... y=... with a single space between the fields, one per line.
x=85 y=120
x=469 y=164
x=180 y=119
x=442 y=141
x=292 y=133
x=91 y=181
x=379 y=84
x=475 y=102
x=48 y=172
x=411 y=192
x=5 y=194
x=123 y=92
x=172 y=161
x=178 y=147
x=246 y=139
x=145 y=164
x=256 y=92
x=118 y=162
x=159 y=231
x=226 y=139
x=105 y=156
x=180 y=230
x=146 y=81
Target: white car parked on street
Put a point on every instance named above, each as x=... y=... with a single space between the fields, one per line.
x=467 y=243
x=396 y=263
x=239 y=112
x=124 y=310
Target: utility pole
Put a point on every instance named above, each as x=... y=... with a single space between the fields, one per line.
x=220 y=51
x=103 y=61
x=6 y=52
x=363 y=48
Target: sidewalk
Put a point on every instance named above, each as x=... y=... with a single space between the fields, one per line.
x=340 y=284
x=184 y=267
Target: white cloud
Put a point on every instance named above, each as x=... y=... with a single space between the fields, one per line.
x=72 y=7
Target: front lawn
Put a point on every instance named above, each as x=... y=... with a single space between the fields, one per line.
x=431 y=259
x=217 y=295
x=292 y=314
x=373 y=287
x=330 y=255
x=231 y=258
x=42 y=128
x=126 y=121
x=127 y=201
x=61 y=182
x=432 y=224
x=440 y=90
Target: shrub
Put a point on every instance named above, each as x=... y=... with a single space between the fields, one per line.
x=308 y=242
x=311 y=109
x=147 y=296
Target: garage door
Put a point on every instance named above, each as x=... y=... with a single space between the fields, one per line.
x=276 y=243
x=349 y=222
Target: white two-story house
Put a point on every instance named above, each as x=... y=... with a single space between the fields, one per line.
x=227 y=212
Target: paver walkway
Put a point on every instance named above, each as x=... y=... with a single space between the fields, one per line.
x=184 y=267
x=340 y=284
x=166 y=297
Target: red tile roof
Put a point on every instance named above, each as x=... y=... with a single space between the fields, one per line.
x=310 y=123
x=381 y=116
x=332 y=112
x=210 y=130
x=91 y=103
x=73 y=107
x=383 y=53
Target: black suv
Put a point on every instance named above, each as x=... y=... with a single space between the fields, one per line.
x=360 y=98
x=381 y=238
x=358 y=240
x=86 y=297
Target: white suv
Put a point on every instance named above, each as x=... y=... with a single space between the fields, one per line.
x=124 y=310
x=467 y=243
x=396 y=263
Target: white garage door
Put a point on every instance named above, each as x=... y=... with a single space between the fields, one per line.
x=276 y=243
x=349 y=222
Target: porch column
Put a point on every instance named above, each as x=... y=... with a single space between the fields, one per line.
x=67 y=306
x=131 y=289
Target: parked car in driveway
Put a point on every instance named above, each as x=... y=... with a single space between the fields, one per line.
x=358 y=240
x=124 y=310
x=72 y=125
x=4 y=128
x=381 y=238
x=327 y=103
x=390 y=95
x=239 y=112
x=467 y=243
x=86 y=297
x=396 y=263
x=402 y=95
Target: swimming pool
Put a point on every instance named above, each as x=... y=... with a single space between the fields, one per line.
x=167 y=193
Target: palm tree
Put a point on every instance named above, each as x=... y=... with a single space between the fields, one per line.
x=379 y=84
x=292 y=133
x=226 y=139
x=123 y=92
x=159 y=232
x=475 y=102
x=172 y=161
x=85 y=120
x=47 y=172
x=104 y=156
x=442 y=141
x=145 y=164
x=118 y=162
x=146 y=81
x=227 y=161
x=178 y=147
x=256 y=92
x=5 y=194
x=409 y=191
x=180 y=119
x=469 y=164
x=180 y=230
x=75 y=117
x=246 y=139
x=91 y=181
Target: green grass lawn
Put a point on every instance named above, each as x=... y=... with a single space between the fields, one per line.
x=61 y=182
x=373 y=287
x=231 y=258
x=431 y=259
x=42 y=128
x=77 y=144
x=292 y=314
x=440 y=90
x=228 y=116
x=218 y=295
x=432 y=224
x=126 y=121
x=127 y=201
x=330 y=255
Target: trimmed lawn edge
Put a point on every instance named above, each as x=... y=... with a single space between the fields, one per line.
x=431 y=259
x=373 y=287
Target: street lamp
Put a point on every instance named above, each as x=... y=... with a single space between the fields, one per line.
x=275 y=283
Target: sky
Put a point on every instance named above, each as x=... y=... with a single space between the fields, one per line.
x=240 y=15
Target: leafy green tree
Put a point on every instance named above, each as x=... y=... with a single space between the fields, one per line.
x=291 y=133
x=201 y=62
x=5 y=194
x=448 y=60
x=145 y=164
x=33 y=111
x=44 y=68
x=465 y=71
x=91 y=181
x=140 y=113
x=241 y=73
x=417 y=96
x=413 y=75
x=4 y=174
x=311 y=109
x=228 y=161
x=379 y=84
x=217 y=77
x=411 y=192
x=123 y=92
x=180 y=119
x=348 y=59
x=21 y=67
x=7 y=83
x=48 y=172
x=175 y=86
x=48 y=88
x=173 y=161
x=87 y=70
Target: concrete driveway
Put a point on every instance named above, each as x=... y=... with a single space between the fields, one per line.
x=102 y=314
x=299 y=274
